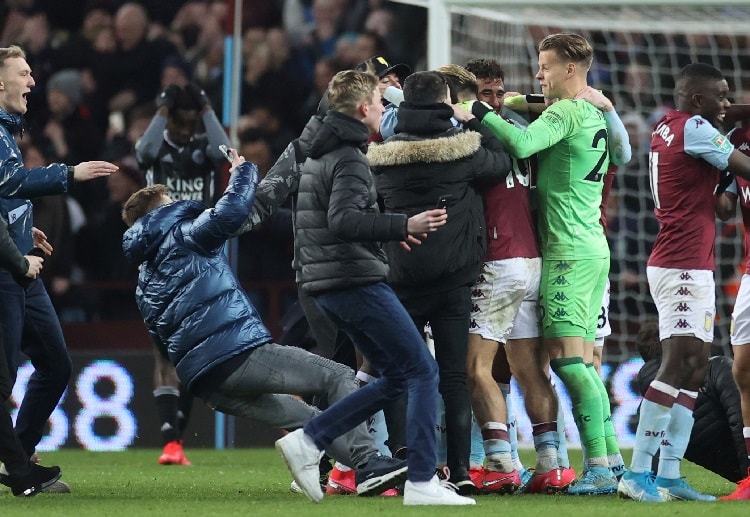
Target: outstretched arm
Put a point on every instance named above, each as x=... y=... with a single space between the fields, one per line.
x=214 y=226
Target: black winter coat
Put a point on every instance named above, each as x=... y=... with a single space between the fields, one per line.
x=426 y=159
x=716 y=441
x=338 y=225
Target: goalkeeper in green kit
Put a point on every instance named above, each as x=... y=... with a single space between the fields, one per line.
x=571 y=141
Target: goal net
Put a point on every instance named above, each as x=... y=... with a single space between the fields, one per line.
x=639 y=49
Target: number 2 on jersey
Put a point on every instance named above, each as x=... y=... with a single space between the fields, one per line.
x=595 y=174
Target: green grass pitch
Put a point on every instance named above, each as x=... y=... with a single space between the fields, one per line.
x=255 y=482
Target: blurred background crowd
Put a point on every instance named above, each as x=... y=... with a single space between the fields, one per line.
x=99 y=66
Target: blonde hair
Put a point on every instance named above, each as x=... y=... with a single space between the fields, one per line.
x=142 y=202
x=11 y=52
x=460 y=78
x=349 y=89
x=567 y=46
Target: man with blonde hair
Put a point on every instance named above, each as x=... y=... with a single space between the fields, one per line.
x=26 y=313
x=339 y=262
x=570 y=139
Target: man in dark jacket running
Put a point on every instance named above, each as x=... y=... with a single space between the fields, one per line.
x=197 y=313
x=338 y=227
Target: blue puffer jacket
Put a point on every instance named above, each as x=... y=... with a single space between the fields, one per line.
x=191 y=301
x=18 y=184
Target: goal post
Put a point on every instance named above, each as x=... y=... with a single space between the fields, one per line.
x=639 y=47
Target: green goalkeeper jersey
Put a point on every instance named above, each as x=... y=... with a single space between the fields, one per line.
x=570 y=140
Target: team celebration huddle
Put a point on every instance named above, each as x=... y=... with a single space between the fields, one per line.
x=448 y=236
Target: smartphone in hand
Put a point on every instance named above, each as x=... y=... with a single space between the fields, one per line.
x=444 y=201
x=225 y=151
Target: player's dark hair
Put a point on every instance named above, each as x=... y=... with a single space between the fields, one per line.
x=485 y=69
x=425 y=87
x=185 y=100
x=700 y=71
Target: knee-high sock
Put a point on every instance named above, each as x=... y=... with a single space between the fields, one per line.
x=545 y=444
x=376 y=426
x=497 y=447
x=681 y=421
x=512 y=426
x=184 y=410
x=476 y=456
x=166 y=398
x=614 y=457
x=652 y=427
x=562 y=448
x=587 y=406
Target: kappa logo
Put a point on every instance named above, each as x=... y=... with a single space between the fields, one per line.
x=683 y=291
x=475 y=308
x=473 y=324
x=560 y=313
x=685 y=276
x=665 y=443
x=683 y=307
x=477 y=293
x=481 y=279
x=560 y=297
x=562 y=266
x=682 y=324
x=744 y=146
x=560 y=280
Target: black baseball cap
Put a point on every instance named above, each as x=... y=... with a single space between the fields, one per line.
x=380 y=67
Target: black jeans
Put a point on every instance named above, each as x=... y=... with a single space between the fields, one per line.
x=448 y=314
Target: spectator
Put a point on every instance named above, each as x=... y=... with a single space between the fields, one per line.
x=230 y=359
x=25 y=477
x=429 y=159
x=26 y=306
x=337 y=216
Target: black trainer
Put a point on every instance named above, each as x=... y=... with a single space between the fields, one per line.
x=379 y=474
x=35 y=481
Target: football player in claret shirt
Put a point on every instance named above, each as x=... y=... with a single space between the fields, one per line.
x=686 y=156
x=740 y=327
x=570 y=139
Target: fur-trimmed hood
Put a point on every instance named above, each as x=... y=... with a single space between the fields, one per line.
x=404 y=149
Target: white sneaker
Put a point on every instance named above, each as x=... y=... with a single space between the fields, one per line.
x=294 y=488
x=302 y=457
x=433 y=494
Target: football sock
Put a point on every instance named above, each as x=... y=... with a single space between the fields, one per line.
x=746 y=435
x=476 y=455
x=614 y=458
x=675 y=442
x=512 y=426
x=545 y=444
x=562 y=448
x=379 y=432
x=587 y=406
x=166 y=398
x=497 y=447
x=652 y=426
x=184 y=410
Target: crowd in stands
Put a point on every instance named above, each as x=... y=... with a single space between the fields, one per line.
x=99 y=66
